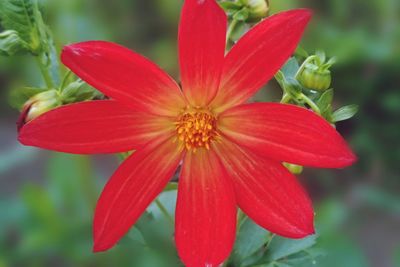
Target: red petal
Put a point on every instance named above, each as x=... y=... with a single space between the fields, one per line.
x=267 y=192
x=131 y=189
x=258 y=55
x=202 y=34
x=93 y=127
x=125 y=76
x=287 y=133
x=206 y=211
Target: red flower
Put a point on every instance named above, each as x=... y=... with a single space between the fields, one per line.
x=232 y=152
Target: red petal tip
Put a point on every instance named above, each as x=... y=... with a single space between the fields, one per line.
x=98 y=247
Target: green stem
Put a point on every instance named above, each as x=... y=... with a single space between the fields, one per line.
x=164 y=211
x=285 y=98
x=65 y=79
x=300 y=70
x=311 y=103
x=45 y=72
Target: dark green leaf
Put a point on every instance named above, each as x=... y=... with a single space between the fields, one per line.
x=281 y=247
x=344 y=113
x=249 y=240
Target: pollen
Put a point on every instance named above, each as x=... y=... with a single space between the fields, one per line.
x=196 y=129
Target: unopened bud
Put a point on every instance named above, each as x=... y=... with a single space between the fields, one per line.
x=37 y=105
x=315 y=74
x=258 y=9
x=315 y=78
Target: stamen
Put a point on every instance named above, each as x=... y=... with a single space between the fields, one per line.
x=196 y=129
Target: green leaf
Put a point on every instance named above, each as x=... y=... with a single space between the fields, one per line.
x=281 y=247
x=344 y=113
x=250 y=239
x=21 y=16
x=325 y=99
x=230 y=6
x=11 y=44
x=301 y=52
x=241 y=15
x=321 y=56
x=171 y=186
x=78 y=91
x=290 y=68
x=19 y=96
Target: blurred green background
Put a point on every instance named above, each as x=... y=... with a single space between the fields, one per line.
x=47 y=199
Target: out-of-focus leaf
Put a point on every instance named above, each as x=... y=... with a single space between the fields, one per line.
x=344 y=113
x=71 y=184
x=17 y=97
x=281 y=247
x=11 y=44
x=16 y=157
x=249 y=240
x=241 y=15
x=171 y=186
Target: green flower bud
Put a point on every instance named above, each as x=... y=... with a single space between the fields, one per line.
x=258 y=9
x=12 y=44
x=293 y=168
x=315 y=78
x=314 y=73
x=39 y=104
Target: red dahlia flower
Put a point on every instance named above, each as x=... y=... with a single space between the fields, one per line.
x=232 y=152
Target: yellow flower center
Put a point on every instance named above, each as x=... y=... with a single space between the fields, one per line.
x=196 y=129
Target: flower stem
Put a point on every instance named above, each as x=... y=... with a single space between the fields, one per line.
x=65 y=79
x=164 y=211
x=311 y=103
x=45 y=73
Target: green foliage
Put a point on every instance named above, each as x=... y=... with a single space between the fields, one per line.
x=344 y=113
x=250 y=239
x=19 y=96
x=23 y=17
x=11 y=44
x=281 y=247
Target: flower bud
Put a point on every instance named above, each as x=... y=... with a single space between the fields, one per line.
x=293 y=168
x=314 y=73
x=315 y=78
x=258 y=9
x=37 y=105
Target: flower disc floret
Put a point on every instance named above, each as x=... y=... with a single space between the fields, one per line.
x=196 y=129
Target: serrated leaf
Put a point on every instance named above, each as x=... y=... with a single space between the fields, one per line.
x=281 y=247
x=20 y=15
x=250 y=239
x=344 y=113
